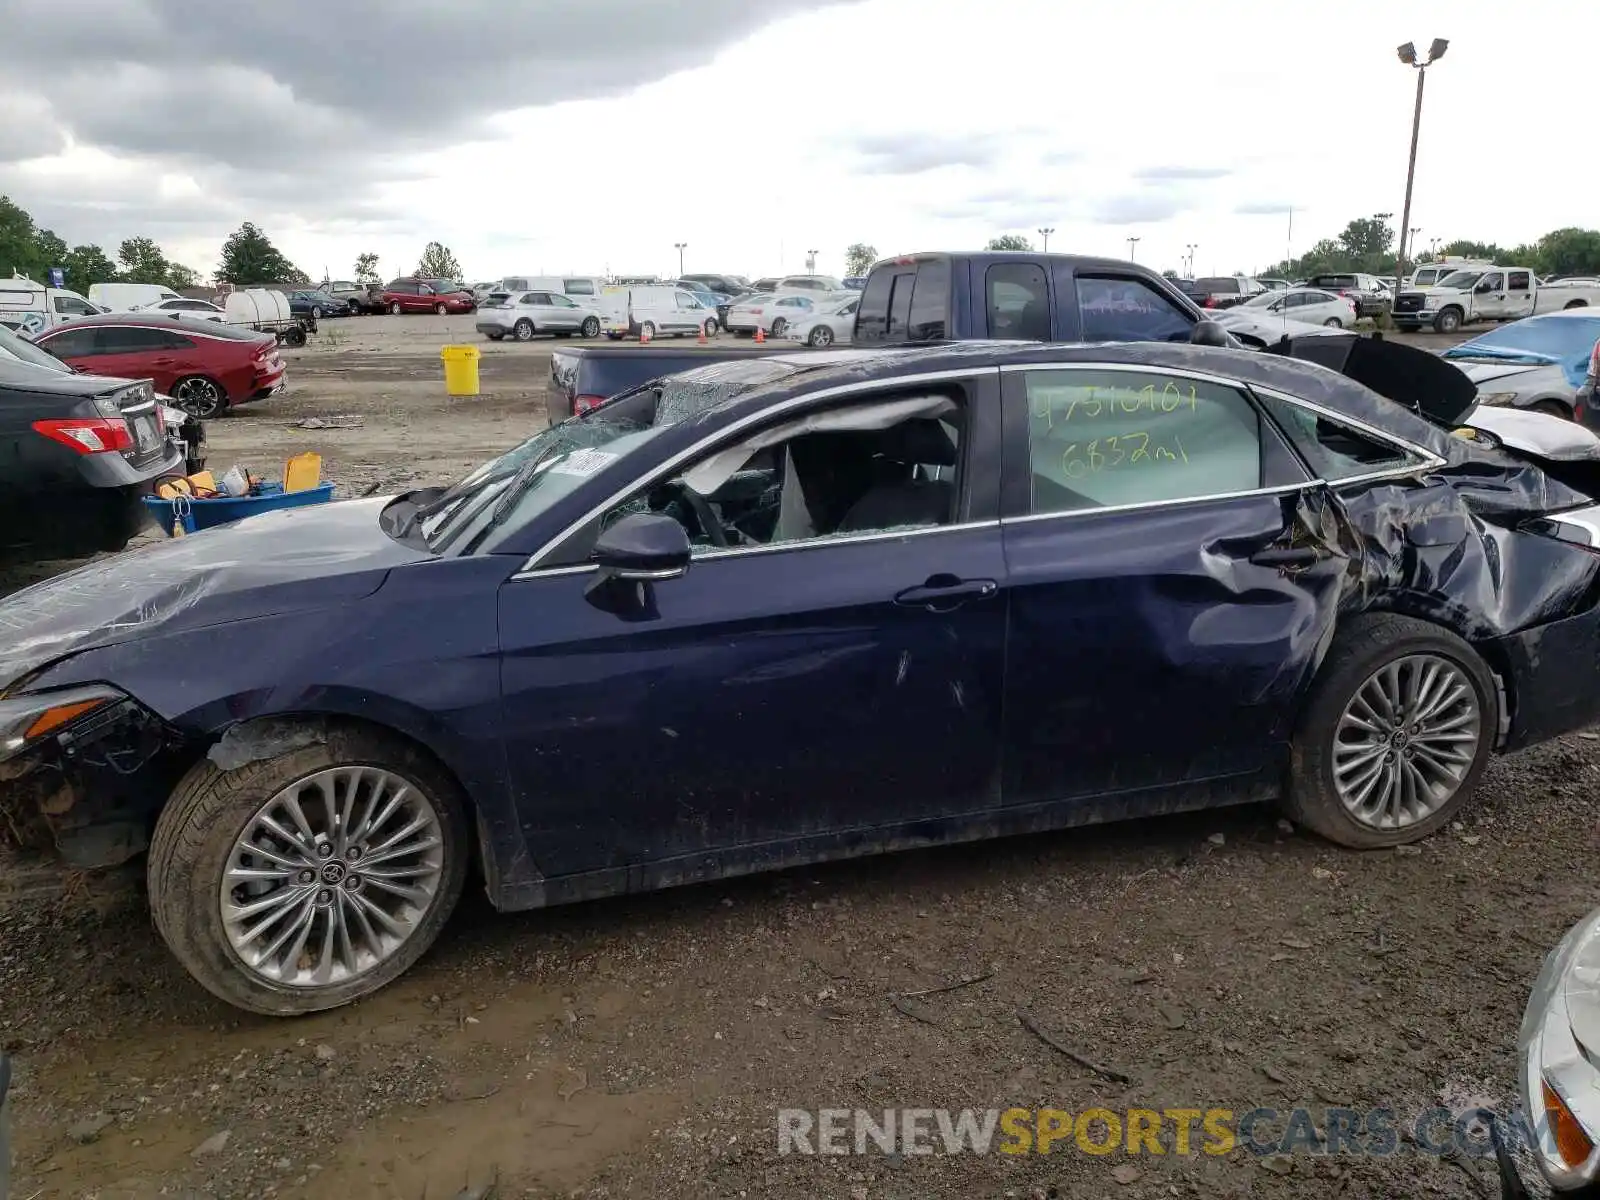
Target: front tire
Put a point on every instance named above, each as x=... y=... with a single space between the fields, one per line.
x=778 y=326
x=440 y=310
x=1448 y=321
x=1395 y=734
x=1333 y=323
x=590 y=327
x=316 y=313
x=394 y=308
x=523 y=330
x=250 y=871
x=820 y=336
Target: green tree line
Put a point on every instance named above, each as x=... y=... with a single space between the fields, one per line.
x=26 y=248
x=1368 y=244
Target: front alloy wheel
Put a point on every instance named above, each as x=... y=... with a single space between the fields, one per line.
x=1407 y=741
x=313 y=877
x=331 y=877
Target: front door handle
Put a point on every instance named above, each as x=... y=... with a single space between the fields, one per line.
x=945 y=592
x=1287 y=556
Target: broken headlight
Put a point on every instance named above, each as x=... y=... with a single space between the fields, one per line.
x=1559 y=1043
x=28 y=719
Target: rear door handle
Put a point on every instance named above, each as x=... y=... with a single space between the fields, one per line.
x=1287 y=556
x=944 y=592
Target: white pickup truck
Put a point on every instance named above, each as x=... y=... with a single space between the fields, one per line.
x=1486 y=294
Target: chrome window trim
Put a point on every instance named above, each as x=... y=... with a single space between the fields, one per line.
x=723 y=553
x=1429 y=460
x=1281 y=490
x=531 y=565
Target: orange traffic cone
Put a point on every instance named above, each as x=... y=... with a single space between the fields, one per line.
x=761 y=335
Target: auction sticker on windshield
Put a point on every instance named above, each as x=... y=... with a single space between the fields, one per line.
x=583 y=462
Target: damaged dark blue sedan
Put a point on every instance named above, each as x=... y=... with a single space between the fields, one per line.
x=805 y=607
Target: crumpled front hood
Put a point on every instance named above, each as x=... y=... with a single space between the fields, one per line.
x=278 y=562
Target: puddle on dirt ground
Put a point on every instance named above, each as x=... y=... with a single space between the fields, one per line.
x=550 y=1127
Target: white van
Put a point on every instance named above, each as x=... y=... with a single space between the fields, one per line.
x=663 y=311
x=31 y=308
x=129 y=297
x=582 y=288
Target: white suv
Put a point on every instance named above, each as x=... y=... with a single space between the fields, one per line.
x=523 y=314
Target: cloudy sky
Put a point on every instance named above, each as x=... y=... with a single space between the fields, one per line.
x=591 y=135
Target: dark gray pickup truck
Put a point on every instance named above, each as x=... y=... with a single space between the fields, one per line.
x=930 y=298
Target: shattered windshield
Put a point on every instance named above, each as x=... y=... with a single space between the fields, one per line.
x=1543 y=339
x=531 y=477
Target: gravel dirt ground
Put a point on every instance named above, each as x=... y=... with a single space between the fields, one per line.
x=642 y=1047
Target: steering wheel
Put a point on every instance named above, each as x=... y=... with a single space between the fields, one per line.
x=710 y=524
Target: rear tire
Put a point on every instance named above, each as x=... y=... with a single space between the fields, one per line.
x=195 y=839
x=647 y=330
x=1333 y=730
x=394 y=308
x=778 y=326
x=316 y=313
x=590 y=327
x=495 y=337
x=440 y=310
x=200 y=396
x=1575 y=304
x=1334 y=323
x=523 y=330
x=711 y=327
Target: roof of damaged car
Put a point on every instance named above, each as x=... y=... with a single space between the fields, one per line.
x=757 y=382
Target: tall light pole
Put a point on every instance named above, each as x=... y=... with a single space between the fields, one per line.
x=1045 y=234
x=1408 y=55
x=811 y=262
x=680 y=247
x=1132 y=242
x=1192 y=247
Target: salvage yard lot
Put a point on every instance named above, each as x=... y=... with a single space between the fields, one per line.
x=643 y=1046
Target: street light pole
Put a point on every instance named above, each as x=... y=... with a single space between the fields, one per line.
x=1192 y=247
x=1132 y=242
x=811 y=262
x=680 y=247
x=1408 y=55
x=1045 y=234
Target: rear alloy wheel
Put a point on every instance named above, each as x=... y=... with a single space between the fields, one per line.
x=778 y=326
x=523 y=330
x=395 y=308
x=590 y=327
x=304 y=881
x=1398 y=729
x=200 y=397
x=820 y=336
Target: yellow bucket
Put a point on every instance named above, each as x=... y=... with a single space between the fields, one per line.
x=460 y=370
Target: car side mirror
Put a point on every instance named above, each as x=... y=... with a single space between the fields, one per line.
x=1483 y=289
x=1208 y=333
x=643 y=547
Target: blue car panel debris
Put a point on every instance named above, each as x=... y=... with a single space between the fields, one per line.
x=625 y=655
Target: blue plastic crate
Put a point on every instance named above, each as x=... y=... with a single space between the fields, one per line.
x=208 y=514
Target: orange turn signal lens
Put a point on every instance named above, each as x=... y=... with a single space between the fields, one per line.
x=52 y=719
x=1572 y=1143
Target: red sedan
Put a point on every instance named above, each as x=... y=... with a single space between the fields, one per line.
x=205 y=366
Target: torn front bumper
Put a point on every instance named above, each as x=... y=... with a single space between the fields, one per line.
x=90 y=790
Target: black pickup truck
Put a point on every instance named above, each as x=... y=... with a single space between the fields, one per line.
x=933 y=297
